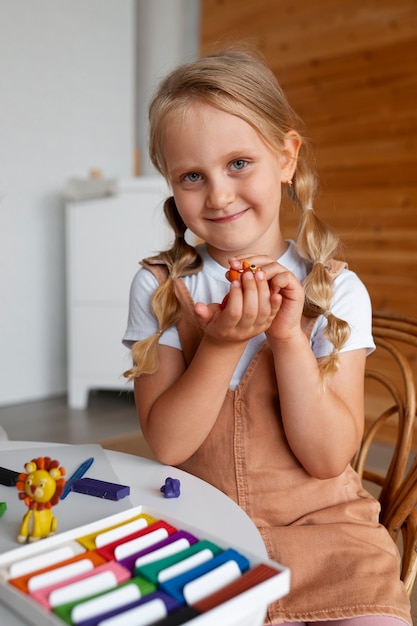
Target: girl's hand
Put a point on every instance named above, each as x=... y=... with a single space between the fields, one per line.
x=286 y=295
x=249 y=310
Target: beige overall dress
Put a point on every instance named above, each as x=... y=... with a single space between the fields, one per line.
x=343 y=562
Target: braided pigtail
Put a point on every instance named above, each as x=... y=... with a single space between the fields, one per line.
x=179 y=260
x=317 y=243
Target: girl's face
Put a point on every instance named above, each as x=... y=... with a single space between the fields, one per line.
x=226 y=181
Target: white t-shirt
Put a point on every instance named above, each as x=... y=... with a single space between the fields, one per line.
x=351 y=303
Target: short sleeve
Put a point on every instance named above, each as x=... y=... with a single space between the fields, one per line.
x=351 y=302
x=141 y=322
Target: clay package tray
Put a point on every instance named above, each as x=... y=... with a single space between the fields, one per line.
x=138 y=568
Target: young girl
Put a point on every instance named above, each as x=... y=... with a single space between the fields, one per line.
x=261 y=393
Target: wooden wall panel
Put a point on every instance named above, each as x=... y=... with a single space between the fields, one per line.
x=349 y=68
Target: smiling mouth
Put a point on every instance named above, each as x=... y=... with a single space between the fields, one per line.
x=228 y=218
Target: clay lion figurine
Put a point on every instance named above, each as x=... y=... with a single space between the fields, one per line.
x=40 y=488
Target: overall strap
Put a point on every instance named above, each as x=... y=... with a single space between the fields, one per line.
x=189 y=329
x=158 y=268
x=335 y=267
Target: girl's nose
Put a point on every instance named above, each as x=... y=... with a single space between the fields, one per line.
x=221 y=193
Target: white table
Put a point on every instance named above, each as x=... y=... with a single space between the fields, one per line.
x=199 y=504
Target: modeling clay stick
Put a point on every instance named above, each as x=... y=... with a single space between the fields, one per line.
x=250 y=579
x=207 y=578
x=49 y=574
x=8 y=477
x=165 y=568
x=98 y=580
x=101 y=489
x=95 y=606
x=79 y=473
x=182 y=616
x=131 y=545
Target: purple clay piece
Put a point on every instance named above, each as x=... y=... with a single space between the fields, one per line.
x=171 y=489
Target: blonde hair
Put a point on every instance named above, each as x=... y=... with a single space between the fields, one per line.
x=237 y=81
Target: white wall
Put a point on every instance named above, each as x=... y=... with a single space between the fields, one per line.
x=168 y=33
x=75 y=78
x=66 y=106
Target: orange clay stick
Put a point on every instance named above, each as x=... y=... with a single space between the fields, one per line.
x=233 y=274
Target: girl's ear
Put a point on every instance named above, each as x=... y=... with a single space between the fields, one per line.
x=292 y=144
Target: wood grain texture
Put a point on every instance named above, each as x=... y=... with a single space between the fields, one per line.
x=349 y=69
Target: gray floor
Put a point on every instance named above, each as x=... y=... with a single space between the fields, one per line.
x=109 y=413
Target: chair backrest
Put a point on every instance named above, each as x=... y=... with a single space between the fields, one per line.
x=390 y=392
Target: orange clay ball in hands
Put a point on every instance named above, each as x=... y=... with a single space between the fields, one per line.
x=233 y=274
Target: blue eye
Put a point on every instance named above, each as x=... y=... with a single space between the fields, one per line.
x=192 y=177
x=239 y=164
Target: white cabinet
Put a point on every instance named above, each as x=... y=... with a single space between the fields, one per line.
x=106 y=238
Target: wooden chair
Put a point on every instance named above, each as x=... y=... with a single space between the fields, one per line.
x=390 y=369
